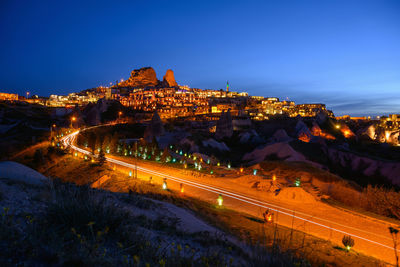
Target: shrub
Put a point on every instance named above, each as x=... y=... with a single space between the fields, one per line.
x=348 y=242
x=77 y=207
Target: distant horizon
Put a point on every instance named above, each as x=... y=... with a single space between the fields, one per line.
x=32 y=92
x=345 y=54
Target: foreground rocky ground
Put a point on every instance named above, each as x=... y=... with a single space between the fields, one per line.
x=52 y=223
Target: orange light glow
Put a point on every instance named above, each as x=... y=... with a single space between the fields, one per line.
x=274 y=177
x=304 y=137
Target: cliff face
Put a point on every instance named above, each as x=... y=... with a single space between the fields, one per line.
x=141 y=78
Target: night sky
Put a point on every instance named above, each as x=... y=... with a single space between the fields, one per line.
x=342 y=53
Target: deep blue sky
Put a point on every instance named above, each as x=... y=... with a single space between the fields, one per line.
x=342 y=53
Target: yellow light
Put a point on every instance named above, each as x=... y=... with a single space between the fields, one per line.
x=182 y=188
x=76 y=154
x=164 y=185
x=241 y=169
x=220 y=200
x=348 y=248
x=73 y=118
x=274 y=177
x=337 y=126
x=92 y=160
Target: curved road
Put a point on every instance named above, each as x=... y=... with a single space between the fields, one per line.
x=371 y=235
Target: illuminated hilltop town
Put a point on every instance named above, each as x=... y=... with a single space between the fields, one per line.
x=144 y=92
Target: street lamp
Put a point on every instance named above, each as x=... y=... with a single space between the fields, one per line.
x=72 y=120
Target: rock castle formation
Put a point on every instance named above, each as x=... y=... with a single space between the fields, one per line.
x=146 y=77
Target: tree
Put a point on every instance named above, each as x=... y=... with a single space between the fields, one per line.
x=114 y=143
x=99 y=143
x=107 y=143
x=348 y=242
x=101 y=158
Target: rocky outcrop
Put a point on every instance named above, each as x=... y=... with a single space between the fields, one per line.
x=280 y=136
x=369 y=132
x=302 y=132
x=169 y=79
x=367 y=166
x=281 y=151
x=224 y=126
x=154 y=129
x=141 y=78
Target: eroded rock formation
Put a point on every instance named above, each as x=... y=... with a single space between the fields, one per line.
x=169 y=79
x=154 y=129
x=141 y=78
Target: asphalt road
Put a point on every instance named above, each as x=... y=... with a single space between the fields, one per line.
x=371 y=235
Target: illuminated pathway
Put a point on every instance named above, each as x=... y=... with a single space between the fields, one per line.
x=371 y=236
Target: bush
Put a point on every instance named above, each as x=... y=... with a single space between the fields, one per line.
x=77 y=207
x=348 y=242
x=382 y=201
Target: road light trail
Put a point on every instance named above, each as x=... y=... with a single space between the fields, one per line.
x=68 y=140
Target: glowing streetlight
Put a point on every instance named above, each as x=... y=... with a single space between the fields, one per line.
x=182 y=188
x=255 y=172
x=337 y=126
x=220 y=200
x=164 y=185
x=274 y=177
x=130 y=173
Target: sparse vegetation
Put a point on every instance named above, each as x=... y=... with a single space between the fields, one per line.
x=348 y=242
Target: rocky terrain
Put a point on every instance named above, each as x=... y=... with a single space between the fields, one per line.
x=146 y=77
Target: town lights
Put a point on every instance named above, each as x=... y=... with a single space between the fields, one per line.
x=337 y=126
x=229 y=165
x=76 y=154
x=130 y=173
x=255 y=172
x=241 y=169
x=274 y=177
x=297 y=182
x=220 y=200
x=182 y=188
